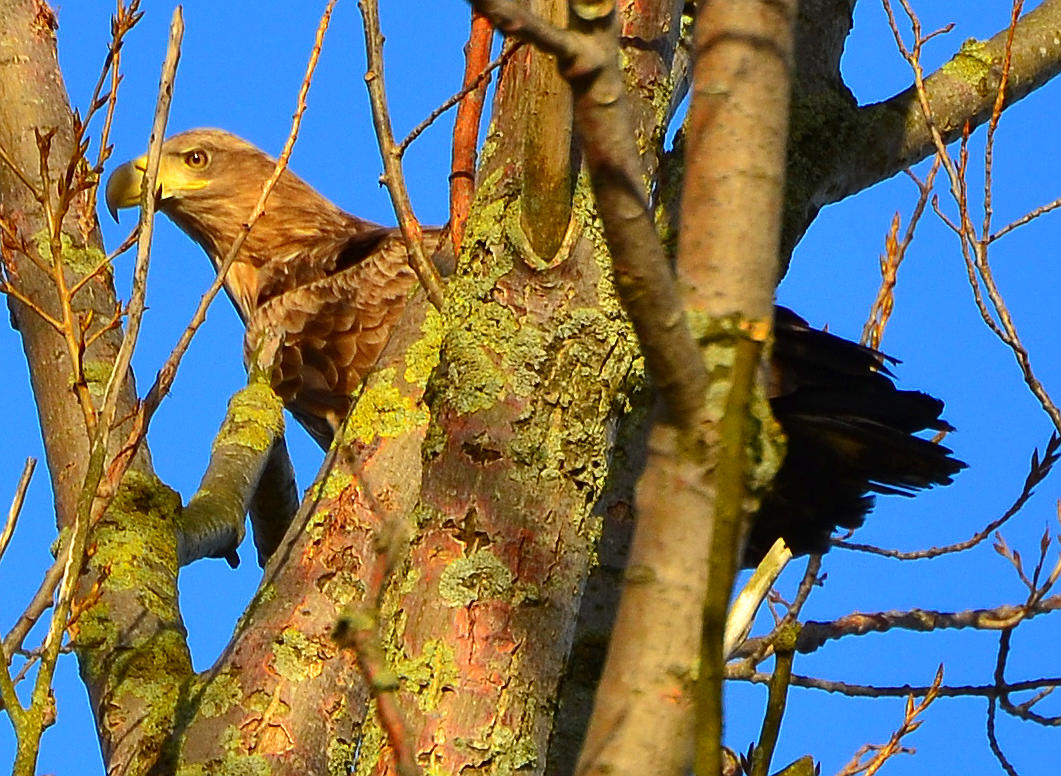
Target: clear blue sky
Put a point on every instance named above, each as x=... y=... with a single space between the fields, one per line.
x=241 y=66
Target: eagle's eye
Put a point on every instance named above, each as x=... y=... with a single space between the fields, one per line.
x=196 y=159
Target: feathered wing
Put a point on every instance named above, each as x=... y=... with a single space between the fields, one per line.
x=851 y=433
x=331 y=330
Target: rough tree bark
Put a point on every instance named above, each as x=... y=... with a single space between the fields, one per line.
x=128 y=636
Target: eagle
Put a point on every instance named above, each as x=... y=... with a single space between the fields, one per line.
x=334 y=285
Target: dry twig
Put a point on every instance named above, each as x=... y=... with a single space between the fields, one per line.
x=894 y=746
x=895 y=252
x=1039 y=469
x=16 y=504
x=392 y=164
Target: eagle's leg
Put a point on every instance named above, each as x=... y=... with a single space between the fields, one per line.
x=274 y=502
x=251 y=436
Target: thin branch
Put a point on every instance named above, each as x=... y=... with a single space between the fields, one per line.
x=76 y=546
x=895 y=252
x=164 y=378
x=763 y=753
x=974 y=248
x=10 y=290
x=16 y=504
x=815 y=634
x=474 y=82
x=124 y=19
x=996 y=114
x=40 y=603
x=57 y=269
x=392 y=164
x=360 y=632
x=1000 y=663
x=130 y=240
x=742 y=673
x=5 y=157
x=145 y=230
x=1039 y=469
x=1030 y=216
x=894 y=746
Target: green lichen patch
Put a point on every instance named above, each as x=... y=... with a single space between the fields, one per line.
x=475 y=577
x=505 y=749
x=97 y=373
x=254 y=419
x=972 y=64
x=81 y=260
x=220 y=694
x=489 y=354
x=295 y=656
x=421 y=358
x=137 y=533
x=236 y=764
x=429 y=674
x=343 y=588
x=383 y=411
x=334 y=484
x=341 y=757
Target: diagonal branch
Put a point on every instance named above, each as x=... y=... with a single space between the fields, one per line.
x=848 y=148
x=392 y=154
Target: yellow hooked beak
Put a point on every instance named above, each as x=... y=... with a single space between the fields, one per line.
x=123 y=187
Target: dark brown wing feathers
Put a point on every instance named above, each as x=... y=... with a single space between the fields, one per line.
x=850 y=434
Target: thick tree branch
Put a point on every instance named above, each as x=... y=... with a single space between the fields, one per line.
x=120 y=630
x=211 y=525
x=839 y=149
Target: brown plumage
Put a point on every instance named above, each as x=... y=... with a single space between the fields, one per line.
x=328 y=284
x=332 y=285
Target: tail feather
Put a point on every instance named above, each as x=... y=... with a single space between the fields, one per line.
x=851 y=434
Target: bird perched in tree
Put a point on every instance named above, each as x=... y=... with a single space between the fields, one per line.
x=330 y=283
x=333 y=285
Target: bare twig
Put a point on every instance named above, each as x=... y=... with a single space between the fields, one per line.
x=1030 y=216
x=5 y=157
x=124 y=19
x=129 y=241
x=894 y=746
x=974 y=247
x=476 y=82
x=895 y=252
x=1000 y=665
x=815 y=634
x=76 y=545
x=392 y=163
x=54 y=214
x=1038 y=471
x=743 y=673
x=145 y=230
x=164 y=378
x=784 y=645
x=16 y=504
x=39 y=604
x=10 y=290
x=360 y=632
